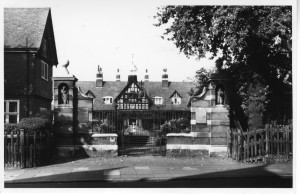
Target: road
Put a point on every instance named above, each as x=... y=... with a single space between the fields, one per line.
x=252 y=182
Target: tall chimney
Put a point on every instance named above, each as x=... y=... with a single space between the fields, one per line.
x=146 y=76
x=118 y=76
x=99 y=77
x=165 y=82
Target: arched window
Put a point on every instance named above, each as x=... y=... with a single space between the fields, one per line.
x=107 y=100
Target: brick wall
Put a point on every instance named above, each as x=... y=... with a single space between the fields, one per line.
x=42 y=87
x=14 y=74
x=15 y=82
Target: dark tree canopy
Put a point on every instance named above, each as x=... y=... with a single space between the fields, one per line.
x=254 y=42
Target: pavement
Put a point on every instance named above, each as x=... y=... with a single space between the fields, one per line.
x=149 y=169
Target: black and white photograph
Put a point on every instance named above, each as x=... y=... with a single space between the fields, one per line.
x=168 y=95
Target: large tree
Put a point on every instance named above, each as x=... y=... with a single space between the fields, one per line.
x=253 y=41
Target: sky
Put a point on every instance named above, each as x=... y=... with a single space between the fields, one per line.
x=108 y=33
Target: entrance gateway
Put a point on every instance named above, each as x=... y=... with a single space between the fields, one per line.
x=115 y=117
x=139 y=131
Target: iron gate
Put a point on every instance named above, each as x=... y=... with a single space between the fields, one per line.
x=138 y=130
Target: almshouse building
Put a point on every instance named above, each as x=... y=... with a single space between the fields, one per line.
x=125 y=117
x=29 y=54
x=133 y=110
x=134 y=95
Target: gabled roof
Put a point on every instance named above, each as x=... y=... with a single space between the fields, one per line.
x=127 y=86
x=22 y=23
x=110 y=88
x=155 y=89
x=175 y=92
x=89 y=93
x=114 y=88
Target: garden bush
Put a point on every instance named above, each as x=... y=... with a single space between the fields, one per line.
x=181 y=125
x=40 y=122
x=102 y=127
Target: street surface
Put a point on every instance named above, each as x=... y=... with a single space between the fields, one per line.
x=152 y=171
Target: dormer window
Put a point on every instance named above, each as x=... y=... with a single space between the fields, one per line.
x=158 y=100
x=107 y=100
x=175 y=98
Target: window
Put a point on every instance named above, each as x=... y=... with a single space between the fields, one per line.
x=193 y=117
x=107 y=100
x=176 y=99
x=158 y=100
x=44 y=48
x=44 y=70
x=11 y=111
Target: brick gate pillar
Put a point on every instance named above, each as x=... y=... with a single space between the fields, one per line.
x=210 y=120
x=64 y=107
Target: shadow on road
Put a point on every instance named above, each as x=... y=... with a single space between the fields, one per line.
x=254 y=177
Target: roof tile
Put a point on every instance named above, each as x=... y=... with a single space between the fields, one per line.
x=22 y=23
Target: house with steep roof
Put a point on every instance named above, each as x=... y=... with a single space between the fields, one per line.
x=133 y=109
x=29 y=54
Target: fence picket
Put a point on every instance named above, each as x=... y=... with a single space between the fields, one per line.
x=18 y=148
x=42 y=153
x=239 y=144
x=248 y=145
x=234 y=146
x=12 y=147
x=27 y=150
x=24 y=150
x=291 y=143
x=271 y=140
x=267 y=139
x=286 y=141
x=22 y=145
x=260 y=143
x=30 y=155
x=278 y=141
x=255 y=146
x=9 y=153
x=34 y=149
x=15 y=154
x=5 y=150
x=245 y=151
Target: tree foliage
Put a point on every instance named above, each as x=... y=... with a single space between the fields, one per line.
x=253 y=41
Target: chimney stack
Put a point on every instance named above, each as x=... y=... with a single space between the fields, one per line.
x=146 y=76
x=165 y=82
x=118 y=76
x=99 y=77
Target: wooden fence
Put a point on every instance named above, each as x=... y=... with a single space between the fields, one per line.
x=24 y=150
x=273 y=142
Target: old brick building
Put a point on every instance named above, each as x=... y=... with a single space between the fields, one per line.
x=139 y=96
x=29 y=54
x=130 y=110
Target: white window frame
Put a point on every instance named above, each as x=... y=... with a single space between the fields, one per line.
x=108 y=100
x=44 y=70
x=178 y=99
x=158 y=100
x=7 y=113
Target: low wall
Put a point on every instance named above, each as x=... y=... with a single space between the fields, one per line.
x=97 y=145
x=190 y=144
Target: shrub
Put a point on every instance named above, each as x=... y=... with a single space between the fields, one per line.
x=102 y=127
x=38 y=123
x=34 y=124
x=8 y=128
x=181 y=125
